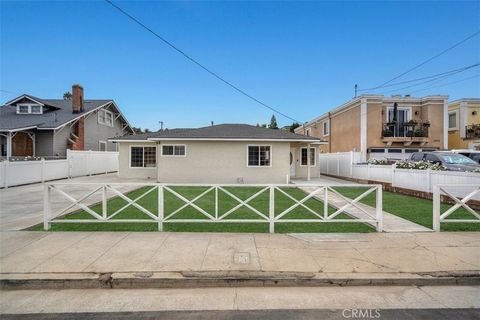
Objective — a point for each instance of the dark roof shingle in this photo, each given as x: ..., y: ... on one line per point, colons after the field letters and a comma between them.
x: 221, y: 131
x: 60, y: 114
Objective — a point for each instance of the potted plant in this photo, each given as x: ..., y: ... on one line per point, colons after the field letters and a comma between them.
x: 420, y: 133
x: 387, y: 133
x: 426, y: 124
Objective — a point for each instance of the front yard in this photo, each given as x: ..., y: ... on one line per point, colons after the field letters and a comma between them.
x: 414, y: 209
x: 207, y: 203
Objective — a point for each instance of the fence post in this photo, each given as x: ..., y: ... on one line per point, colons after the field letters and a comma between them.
x: 436, y: 208
x: 338, y: 164
x: 46, y: 207
x: 427, y: 182
x: 104, y: 202
x: 325, y: 203
x: 351, y: 164
x: 160, y: 207
x: 5, y: 171
x: 271, y: 211
x: 216, y: 203
x: 392, y: 181
x: 42, y: 162
x: 379, y: 209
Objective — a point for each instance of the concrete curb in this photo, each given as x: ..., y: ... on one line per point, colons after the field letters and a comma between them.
x: 200, y: 279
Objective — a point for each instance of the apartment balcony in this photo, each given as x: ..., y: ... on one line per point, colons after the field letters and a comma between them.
x: 472, y: 131
x: 407, y: 133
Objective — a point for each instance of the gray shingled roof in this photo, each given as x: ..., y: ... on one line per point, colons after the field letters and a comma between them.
x: 10, y: 120
x: 221, y: 131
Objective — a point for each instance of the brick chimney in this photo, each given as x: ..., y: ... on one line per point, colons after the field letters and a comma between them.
x: 77, y: 98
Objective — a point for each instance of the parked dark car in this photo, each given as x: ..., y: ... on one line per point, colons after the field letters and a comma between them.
x: 450, y: 160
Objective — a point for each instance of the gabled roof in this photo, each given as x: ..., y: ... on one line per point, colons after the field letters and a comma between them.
x: 58, y: 113
x: 232, y: 132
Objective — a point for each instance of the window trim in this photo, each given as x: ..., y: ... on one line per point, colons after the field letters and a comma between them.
x: 456, y: 120
x: 327, y: 122
x: 173, y: 155
x: 105, y: 143
x: 315, y: 157
x: 105, y: 123
x: 142, y: 146
x: 409, y: 113
x: 260, y: 145
x: 29, y: 106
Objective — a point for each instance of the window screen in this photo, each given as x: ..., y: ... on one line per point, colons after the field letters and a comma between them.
x: 304, y: 157
x: 259, y: 156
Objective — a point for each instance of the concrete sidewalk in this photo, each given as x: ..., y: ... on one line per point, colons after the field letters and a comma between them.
x: 21, y: 207
x: 310, y: 254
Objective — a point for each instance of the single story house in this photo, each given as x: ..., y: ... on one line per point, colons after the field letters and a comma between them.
x: 225, y: 153
x: 36, y: 127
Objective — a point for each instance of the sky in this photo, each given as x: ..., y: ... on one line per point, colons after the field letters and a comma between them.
x: 302, y: 58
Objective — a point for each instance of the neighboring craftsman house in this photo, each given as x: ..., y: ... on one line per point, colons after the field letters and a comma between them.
x: 35, y: 127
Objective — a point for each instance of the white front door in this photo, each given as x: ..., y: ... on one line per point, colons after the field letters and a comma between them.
x: 292, y: 162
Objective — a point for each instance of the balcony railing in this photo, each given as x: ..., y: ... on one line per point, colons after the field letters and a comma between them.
x: 405, y: 129
x: 472, y: 131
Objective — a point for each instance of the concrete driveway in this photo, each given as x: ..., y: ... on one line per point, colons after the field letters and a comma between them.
x: 22, y: 206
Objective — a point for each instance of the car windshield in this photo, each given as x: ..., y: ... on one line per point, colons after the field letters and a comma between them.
x: 456, y: 159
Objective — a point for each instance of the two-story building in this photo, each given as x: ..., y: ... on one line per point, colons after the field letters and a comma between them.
x: 383, y: 127
x: 464, y: 124
x: 36, y: 127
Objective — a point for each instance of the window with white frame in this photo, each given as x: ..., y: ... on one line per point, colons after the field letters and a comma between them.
x: 326, y: 128
x: 304, y: 157
x: 452, y: 120
x: 143, y: 157
x: 102, y: 146
x: 259, y: 156
x: 27, y: 108
x: 174, y: 150
x: 105, y: 117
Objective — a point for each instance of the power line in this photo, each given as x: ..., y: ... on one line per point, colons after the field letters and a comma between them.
x: 170, y: 44
x: 447, y: 84
x: 426, y: 61
x: 435, y: 79
x: 429, y: 77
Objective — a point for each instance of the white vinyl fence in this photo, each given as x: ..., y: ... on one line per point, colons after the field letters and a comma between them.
x: 439, y: 217
x: 156, y: 212
x: 77, y: 163
x: 344, y: 164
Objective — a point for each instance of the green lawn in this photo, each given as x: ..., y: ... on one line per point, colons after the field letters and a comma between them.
x: 414, y: 209
x: 207, y: 203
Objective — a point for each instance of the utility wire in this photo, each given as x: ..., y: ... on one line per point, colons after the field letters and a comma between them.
x: 447, y: 84
x: 170, y: 44
x: 429, y: 77
x: 426, y: 61
x: 434, y: 79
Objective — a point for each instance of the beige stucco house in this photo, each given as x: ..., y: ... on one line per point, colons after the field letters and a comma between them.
x: 225, y: 153
x: 368, y: 124
x: 464, y: 124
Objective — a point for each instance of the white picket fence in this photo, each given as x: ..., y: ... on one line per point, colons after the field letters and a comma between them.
x: 344, y: 164
x: 77, y: 163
